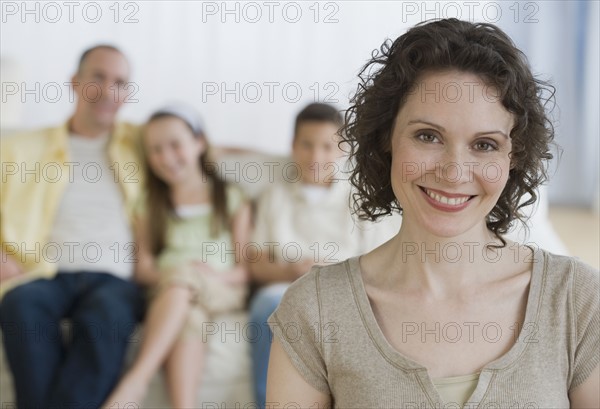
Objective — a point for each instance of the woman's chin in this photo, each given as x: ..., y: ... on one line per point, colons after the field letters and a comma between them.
x: 448, y: 229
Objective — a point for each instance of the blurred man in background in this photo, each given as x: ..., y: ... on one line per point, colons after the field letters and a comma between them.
x: 67, y: 247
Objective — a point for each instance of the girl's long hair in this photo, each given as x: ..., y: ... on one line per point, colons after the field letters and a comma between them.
x: 159, y: 203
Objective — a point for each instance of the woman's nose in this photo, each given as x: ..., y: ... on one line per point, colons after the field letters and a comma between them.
x: 455, y: 166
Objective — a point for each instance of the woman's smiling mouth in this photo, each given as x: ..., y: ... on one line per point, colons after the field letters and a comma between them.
x: 446, y: 201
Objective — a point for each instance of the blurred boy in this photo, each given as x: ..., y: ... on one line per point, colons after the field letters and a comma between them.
x: 303, y: 221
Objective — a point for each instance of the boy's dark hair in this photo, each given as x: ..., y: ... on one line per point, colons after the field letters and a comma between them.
x: 87, y: 52
x: 450, y: 44
x: 318, y: 112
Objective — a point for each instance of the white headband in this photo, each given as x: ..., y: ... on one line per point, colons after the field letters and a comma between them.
x: 187, y: 113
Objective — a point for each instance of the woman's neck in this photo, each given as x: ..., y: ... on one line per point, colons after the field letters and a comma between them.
x: 417, y: 259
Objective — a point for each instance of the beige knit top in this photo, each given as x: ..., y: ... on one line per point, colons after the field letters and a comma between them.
x: 327, y: 327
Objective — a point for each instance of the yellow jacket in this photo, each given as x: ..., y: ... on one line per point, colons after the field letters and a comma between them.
x: 35, y: 172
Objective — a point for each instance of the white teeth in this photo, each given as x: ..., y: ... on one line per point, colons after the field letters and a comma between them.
x: 452, y: 201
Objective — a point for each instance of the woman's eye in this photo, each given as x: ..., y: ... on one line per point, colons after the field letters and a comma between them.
x: 485, y: 146
x: 427, y: 137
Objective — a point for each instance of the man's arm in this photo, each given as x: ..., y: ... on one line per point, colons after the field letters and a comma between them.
x: 9, y: 267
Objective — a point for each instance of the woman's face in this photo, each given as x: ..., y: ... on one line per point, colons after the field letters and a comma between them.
x: 450, y: 153
x: 172, y: 149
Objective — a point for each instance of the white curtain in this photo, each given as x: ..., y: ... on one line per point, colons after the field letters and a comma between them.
x: 563, y: 45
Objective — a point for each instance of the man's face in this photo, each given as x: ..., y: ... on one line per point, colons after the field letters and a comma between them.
x: 101, y: 86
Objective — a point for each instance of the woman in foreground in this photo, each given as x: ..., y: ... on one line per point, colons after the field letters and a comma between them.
x: 449, y: 128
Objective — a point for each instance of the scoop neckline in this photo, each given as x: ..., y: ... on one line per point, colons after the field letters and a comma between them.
x: 488, y: 372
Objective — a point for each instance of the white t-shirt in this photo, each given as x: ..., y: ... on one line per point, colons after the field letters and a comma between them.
x: 91, y: 231
x: 299, y: 221
x: 314, y: 193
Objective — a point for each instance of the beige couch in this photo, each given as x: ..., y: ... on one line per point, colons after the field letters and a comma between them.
x: 227, y: 381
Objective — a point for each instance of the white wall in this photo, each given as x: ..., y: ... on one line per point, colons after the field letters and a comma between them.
x: 181, y: 50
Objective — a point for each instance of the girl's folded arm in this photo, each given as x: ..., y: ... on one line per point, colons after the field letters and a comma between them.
x: 240, y: 233
x: 145, y: 269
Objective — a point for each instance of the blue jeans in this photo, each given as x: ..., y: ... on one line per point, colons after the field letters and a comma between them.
x: 51, y: 373
x: 262, y: 306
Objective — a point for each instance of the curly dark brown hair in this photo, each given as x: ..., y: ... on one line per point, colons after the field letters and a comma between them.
x: 450, y: 44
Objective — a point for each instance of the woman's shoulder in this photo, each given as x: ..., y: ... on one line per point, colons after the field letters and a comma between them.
x: 581, y: 283
x: 322, y: 282
x: 566, y: 273
x: 557, y: 265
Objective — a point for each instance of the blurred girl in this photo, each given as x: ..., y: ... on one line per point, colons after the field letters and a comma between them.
x: 186, y: 222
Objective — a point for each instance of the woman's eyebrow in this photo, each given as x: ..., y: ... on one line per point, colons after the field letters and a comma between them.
x: 491, y: 132
x: 421, y: 121
x: 441, y: 128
